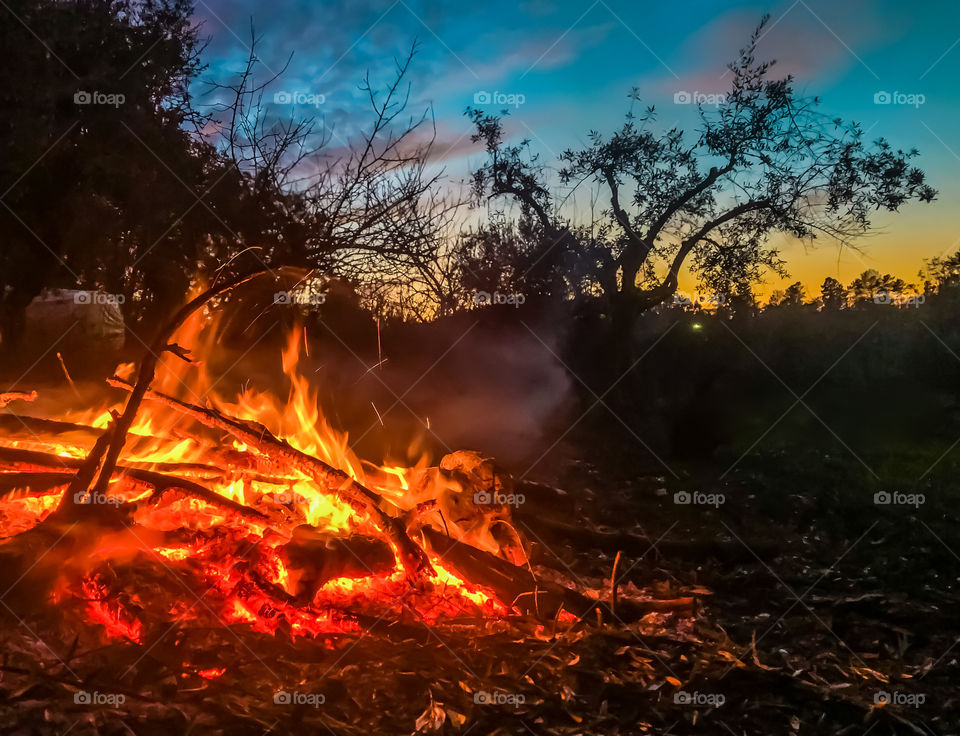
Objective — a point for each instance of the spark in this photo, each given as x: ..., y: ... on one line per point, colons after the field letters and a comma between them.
x: 379, y: 354
x: 372, y: 368
x: 67, y: 374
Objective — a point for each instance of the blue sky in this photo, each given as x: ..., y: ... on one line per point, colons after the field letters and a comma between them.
x: 573, y: 63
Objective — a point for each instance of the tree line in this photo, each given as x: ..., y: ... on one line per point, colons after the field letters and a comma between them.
x: 941, y: 278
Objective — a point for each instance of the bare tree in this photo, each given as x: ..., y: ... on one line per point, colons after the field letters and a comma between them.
x: 370, y: 210
x: 265, y: 148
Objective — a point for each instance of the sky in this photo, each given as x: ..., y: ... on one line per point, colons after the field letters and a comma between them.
x: 566, y: 67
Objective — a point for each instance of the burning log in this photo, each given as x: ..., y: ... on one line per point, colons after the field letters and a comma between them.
x: 103, y: 458
x: 316, y: 558
x: 357, y: 496
x: 513, y: 585
x: 473, y: 501
x: 35, y: 483
x: 11, y: 396
x: 161, y: 483
x: 14, y: 458
x: 13, y: 424
x: 38, y: 469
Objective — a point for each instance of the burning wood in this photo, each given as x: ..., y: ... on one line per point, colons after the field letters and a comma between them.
x: 255, y: 505
x: 257, y: 508
x: 348, y: 490
x: 11, y: 396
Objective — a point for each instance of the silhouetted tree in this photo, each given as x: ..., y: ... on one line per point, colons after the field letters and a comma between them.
x: 795, y: 295
x: 942, y: 271
x: 777, y: 297
x: 765, y: 161
x: 833, y: 295
x: 371, y: 211
x: 872, y: 288
x: 100, y: 172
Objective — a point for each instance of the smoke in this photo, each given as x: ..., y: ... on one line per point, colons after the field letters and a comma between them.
x: 488, y: 380
x: 499, y: 390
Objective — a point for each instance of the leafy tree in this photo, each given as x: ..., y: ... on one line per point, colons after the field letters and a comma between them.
x: 795, y: 295
x: 833, y: 295
x: 942, y: 271
x: 765, y: 161
x: 872, y: 288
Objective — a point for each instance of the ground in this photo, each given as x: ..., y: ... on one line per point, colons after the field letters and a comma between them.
x: 815, y: 605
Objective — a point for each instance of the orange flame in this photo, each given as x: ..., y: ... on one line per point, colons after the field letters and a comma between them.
x: 236, y: 557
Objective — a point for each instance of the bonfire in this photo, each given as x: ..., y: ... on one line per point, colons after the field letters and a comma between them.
x: 258, y: 507
x: 173, y: 512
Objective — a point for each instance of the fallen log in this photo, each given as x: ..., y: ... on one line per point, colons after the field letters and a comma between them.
x: 357, y: 496
x: 537, y: 524
x: 518, y: 587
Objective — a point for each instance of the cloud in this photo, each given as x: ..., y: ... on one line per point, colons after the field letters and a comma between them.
x: 460, y: 52
x: 797, y: 40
